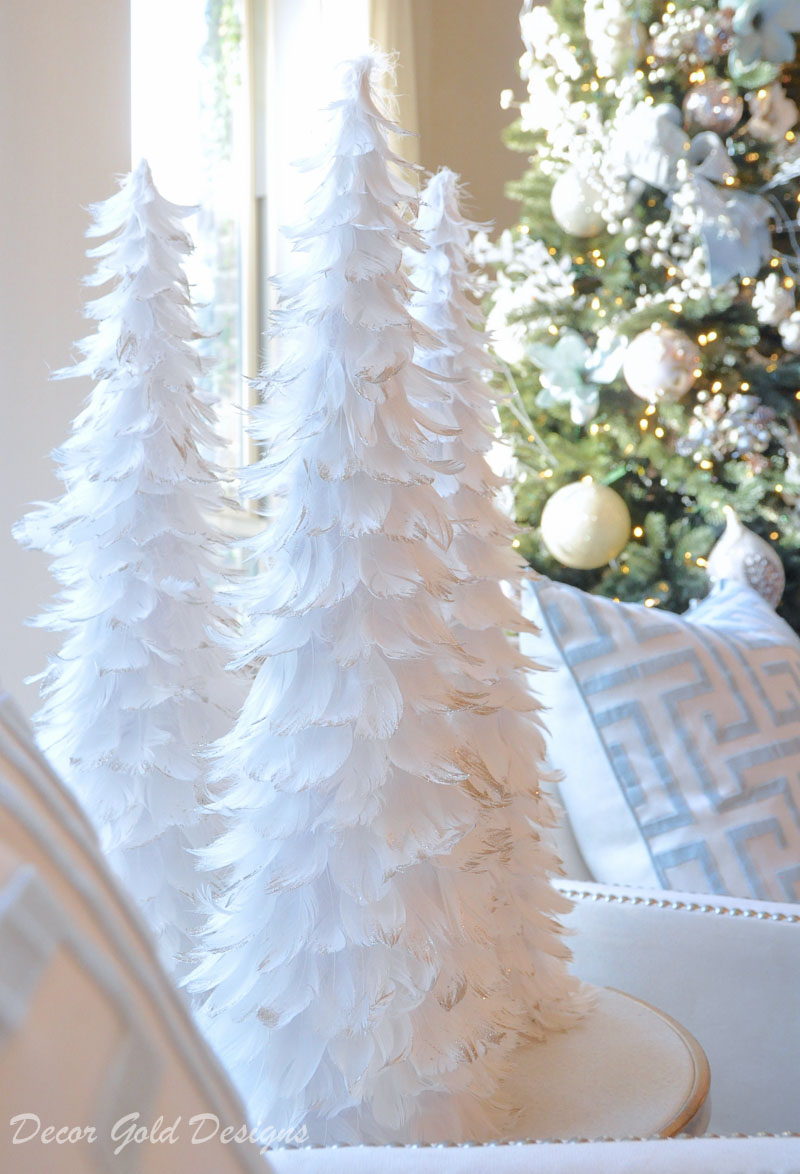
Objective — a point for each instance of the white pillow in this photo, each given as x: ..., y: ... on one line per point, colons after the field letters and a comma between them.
x: 679, y: 737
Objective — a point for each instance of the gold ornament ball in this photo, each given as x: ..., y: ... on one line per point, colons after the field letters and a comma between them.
x: 661, y: 364
x: 574, y: 204
x: 584, y: 525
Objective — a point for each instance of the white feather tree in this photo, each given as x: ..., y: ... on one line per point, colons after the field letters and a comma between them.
x: 350, y: 976
x: 503, y: 742
x: 138, y: 687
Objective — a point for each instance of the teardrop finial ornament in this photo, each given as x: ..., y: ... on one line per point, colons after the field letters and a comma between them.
x: 740, y: 554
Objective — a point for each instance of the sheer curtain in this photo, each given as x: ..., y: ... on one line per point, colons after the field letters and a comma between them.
x: 391, y: 26
x: 304, y: 40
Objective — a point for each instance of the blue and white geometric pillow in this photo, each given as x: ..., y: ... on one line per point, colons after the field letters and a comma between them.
x: 679, y: 738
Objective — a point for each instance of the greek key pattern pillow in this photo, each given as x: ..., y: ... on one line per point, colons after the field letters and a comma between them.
x: 679, y: 737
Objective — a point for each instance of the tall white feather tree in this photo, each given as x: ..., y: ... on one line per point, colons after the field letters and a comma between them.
x: 139, y: 686
x: 503, y: 742
x: 350, y: 973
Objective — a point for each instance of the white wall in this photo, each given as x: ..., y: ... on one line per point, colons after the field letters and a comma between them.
x: 467, y: 52
x: 64, y: 136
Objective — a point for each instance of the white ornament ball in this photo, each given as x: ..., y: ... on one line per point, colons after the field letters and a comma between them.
x: 584, y: 525
x: 661, y: 364
x: 741, y: 555
x: 574, y: 202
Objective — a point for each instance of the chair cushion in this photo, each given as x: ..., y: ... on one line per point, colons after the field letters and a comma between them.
x: 725, y: 968
x: 679, y: 738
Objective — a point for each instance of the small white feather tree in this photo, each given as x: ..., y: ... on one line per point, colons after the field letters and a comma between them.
x: 351, y: 977
x: 503, y: 742
x: 139, y: 684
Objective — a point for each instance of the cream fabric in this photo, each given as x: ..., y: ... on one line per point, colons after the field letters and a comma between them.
x: 391, y: 25
x: 726, y: 969
x: 91, y: 1029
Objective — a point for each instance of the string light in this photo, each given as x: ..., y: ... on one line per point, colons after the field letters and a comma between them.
x: 712, y: 335
x: 702, y: 339
x: 747, y: 281
x: 744, y: 386
x: 626, y: 570
x: 774, y: 262
x: 515, y: 543
x: 650, y: 410
x: 643, y: 424
x: 706, y: 464
x: 587, y: 480
x: 779, y: 489
x: 552, y: 329
x: 697, y: 372
x: 545, y: 473
x: 788, y: 283
x: 651, y: 602
x: 717, y: 386
x: 774, y: 534
x: 675, y: 307
x: 638, y: 532
x: 701, y: 562
x: 659, y: 433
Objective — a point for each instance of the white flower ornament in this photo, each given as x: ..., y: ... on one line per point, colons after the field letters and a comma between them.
x: 570, y: 372
x: 763, y: 29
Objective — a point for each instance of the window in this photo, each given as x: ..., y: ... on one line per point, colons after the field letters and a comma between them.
x: 225, y: 98
x: 189, y: 119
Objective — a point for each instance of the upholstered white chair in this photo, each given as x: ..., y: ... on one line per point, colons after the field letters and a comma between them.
x: 757, y: 1155
x: 726, y: 968
x: 91, y: 1029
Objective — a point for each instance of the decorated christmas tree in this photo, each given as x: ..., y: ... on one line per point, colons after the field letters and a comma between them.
x: 500, y: 738
x: 645, y: 304
x: 355, y: 973
x: 139, y: 685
